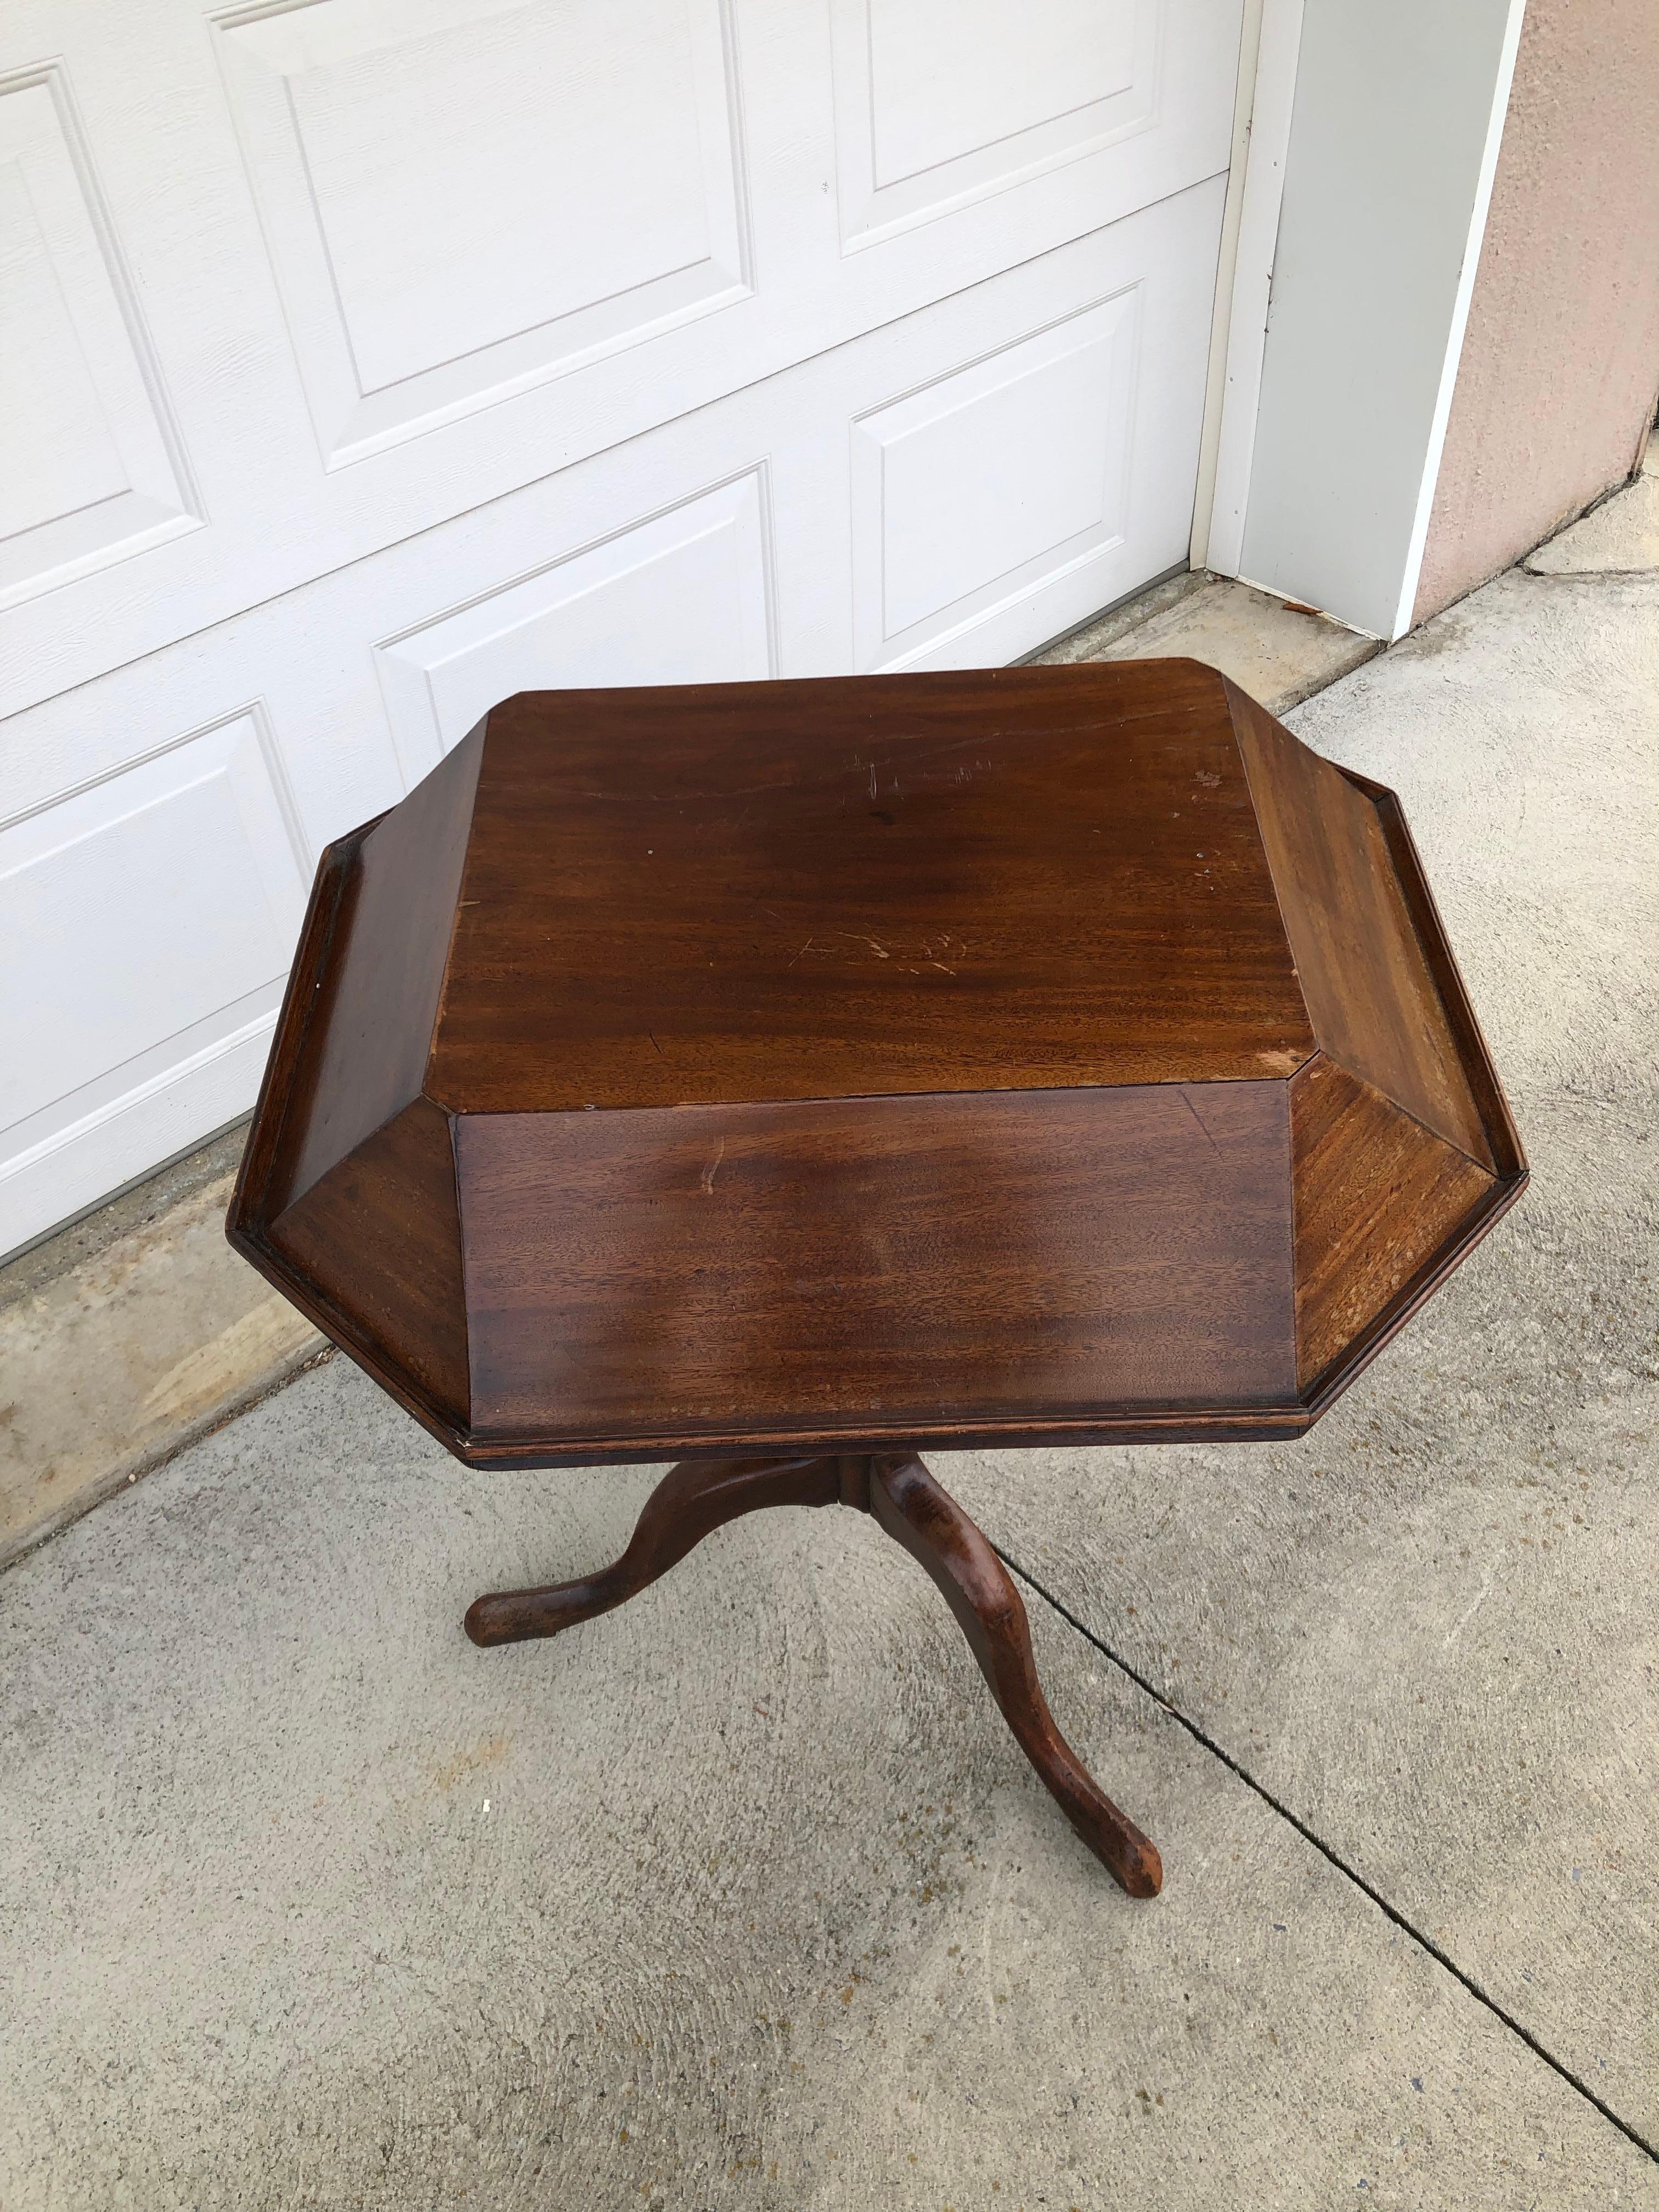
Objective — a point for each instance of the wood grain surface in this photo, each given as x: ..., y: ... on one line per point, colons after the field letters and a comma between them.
x: 1000, y: 879
x: 699, y: 1496
x: 1365, y: 974
x: 391, y: 1204
x: 881, y: 1266
x: 1377, y: 1195
x: 367, y: 1029
x: 998, y: 1057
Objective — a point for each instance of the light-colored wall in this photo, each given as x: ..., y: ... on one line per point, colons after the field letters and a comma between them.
x: 1394, y: 132
x: 1560, y: 362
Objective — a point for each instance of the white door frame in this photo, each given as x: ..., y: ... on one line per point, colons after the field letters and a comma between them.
x: 1364, y: 166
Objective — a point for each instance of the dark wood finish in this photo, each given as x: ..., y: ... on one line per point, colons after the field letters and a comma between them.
x: 1376, y: 1196
x: 777, y: 1077
x: 690, y: 1502
x: 283, y: 1101
x: 742, y: 1433
x: 899, y: 1264
x: 844, y: 1185
x: 1365, y: 972
x: 392, y: 1203
x: 1008, y: 879
x: 696, y: 1499
x: 912, y: 1507
x: 366, y: 1033
x: 1327, y: 1386
x: 1503, y: 1140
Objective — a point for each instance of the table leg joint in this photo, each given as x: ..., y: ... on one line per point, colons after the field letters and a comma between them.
x: 697, y: 1497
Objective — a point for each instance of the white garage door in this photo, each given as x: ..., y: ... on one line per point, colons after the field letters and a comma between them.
x: 369, y: 360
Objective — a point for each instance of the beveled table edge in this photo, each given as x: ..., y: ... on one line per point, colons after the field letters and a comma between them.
x: 1472, y: 1053
x: 1102, y: 1426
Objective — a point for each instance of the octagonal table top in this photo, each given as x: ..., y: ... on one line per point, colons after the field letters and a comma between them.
x: 1003, y: 1055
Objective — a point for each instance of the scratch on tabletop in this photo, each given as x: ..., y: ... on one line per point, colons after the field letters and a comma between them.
x: 1186, y: 1101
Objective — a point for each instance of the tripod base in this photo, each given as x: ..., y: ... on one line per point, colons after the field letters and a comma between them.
x: 699, y: 1496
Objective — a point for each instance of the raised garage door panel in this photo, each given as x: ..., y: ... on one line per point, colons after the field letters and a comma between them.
x: 676, y: 598
x: 149, y: 922
x: 940, y: 102
x: 455, y: 247
x: 379, y: 361
x: 91, y: 470
x: 461, y: 201
x: 733, y: 543
x: 995, y: 475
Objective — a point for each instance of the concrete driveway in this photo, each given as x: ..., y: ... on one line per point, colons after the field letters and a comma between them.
x: 743, y: 1897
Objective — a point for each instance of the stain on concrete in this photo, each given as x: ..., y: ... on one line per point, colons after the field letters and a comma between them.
x: 113, y: 1355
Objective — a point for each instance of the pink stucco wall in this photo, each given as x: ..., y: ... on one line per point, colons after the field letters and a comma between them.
x: 1560, y: 364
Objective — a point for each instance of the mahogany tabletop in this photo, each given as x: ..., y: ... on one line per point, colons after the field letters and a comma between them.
x: 1003, y: 1056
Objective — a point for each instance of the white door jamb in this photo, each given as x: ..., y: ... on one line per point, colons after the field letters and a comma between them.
x: 1373, y: 145
x: 1250, y: 231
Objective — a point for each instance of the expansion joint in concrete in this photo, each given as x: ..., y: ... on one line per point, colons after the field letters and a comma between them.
x: 1335, y: 1858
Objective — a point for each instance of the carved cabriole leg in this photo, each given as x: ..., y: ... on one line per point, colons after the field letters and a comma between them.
x: 697, y: 1497
x: 916, y: 1512
x: 691, y: 1501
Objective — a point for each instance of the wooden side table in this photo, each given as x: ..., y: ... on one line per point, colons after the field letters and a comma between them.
x: 782, y: 1078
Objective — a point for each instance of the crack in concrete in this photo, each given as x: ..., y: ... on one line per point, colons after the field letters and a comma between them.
x: 1335, y: 1858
